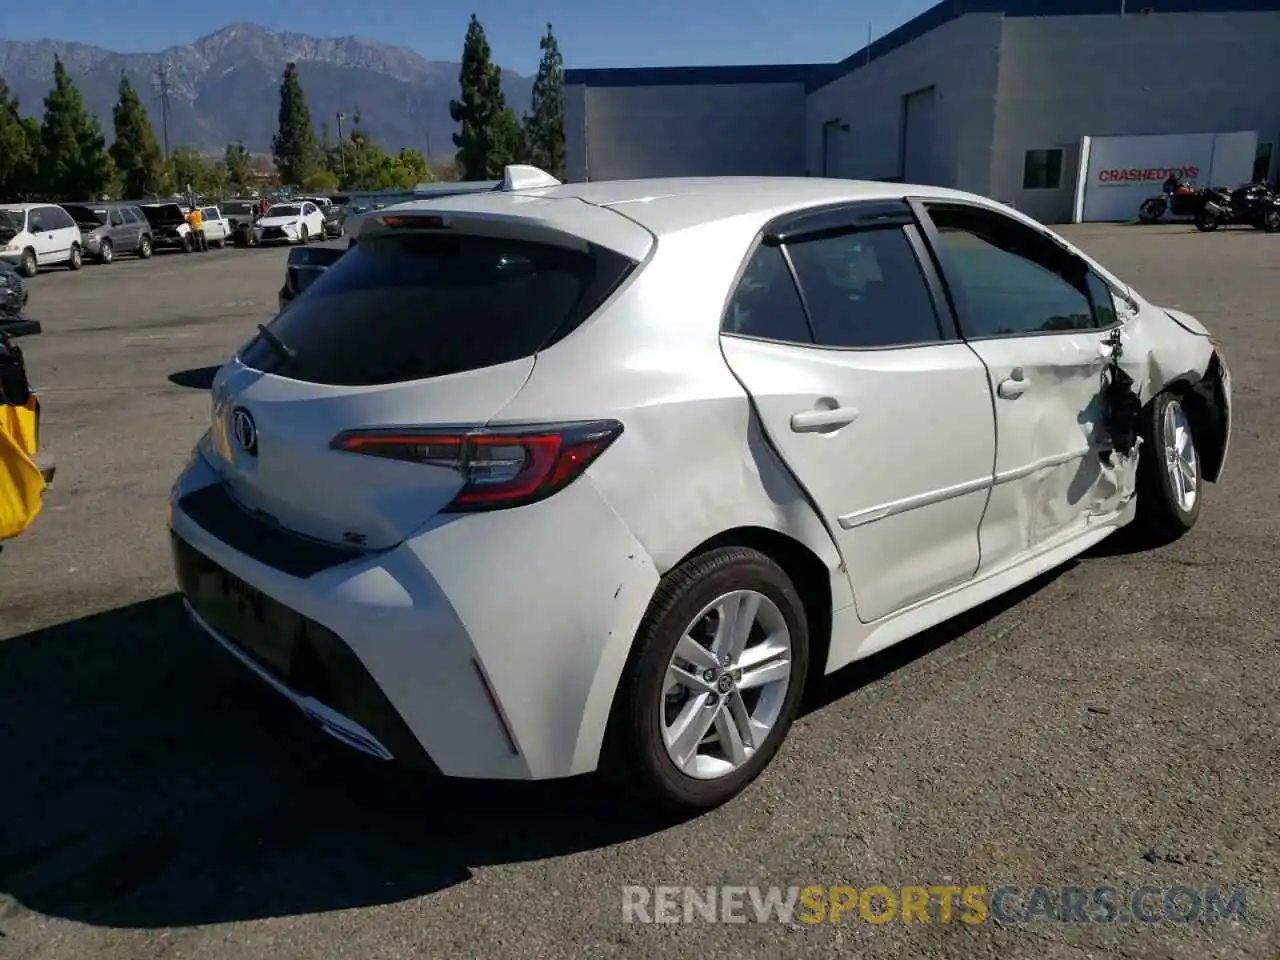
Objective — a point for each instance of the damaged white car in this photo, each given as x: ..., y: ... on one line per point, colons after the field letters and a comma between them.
x: 562, y: 478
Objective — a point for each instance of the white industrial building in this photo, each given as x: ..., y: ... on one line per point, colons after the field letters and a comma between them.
x: 1045, y: 104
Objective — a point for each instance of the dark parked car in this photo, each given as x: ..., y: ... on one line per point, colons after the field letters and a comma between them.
x: 110, y: 229
x: 169, y: 227
x: 13, y: 303
x: 333, y: 217
x: 303, y: 268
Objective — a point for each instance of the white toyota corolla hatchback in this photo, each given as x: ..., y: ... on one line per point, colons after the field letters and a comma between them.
x: 562, y: 478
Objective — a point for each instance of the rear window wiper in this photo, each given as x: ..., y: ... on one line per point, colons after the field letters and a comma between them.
x: 284, y: 353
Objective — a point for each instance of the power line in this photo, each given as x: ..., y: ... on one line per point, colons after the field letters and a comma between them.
x: 161, y: 83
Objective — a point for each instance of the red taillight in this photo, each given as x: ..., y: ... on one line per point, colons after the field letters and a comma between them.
x: 504, y: 467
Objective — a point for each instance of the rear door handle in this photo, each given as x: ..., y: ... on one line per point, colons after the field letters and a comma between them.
x: 813, y: 421
x: 1015, y: 386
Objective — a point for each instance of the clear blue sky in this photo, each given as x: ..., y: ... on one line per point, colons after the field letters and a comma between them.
x: 591, y: 34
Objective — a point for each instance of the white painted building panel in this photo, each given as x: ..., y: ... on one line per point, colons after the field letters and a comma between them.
x: 745, y: 129
x: 959, y: 60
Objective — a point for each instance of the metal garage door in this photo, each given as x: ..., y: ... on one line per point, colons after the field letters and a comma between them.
x: 919, y: 138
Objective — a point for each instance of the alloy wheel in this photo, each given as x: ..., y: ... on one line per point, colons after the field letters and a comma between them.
x: 726, y: 684
x: 1180, y: 457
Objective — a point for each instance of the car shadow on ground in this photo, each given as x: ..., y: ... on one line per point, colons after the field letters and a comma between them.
x: 199, y: 378
x: 152, y: 782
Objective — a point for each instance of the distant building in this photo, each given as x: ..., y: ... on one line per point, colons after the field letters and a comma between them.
x: 991, y: 96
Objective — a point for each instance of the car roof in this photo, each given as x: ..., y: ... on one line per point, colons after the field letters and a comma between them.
x: 668, y: 205
x: 26, y: 206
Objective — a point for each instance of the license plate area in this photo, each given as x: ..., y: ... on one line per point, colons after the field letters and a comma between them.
x: 264, y: 628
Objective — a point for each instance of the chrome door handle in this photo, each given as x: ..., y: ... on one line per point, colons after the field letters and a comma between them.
x: 813, y: 421
x: 1015, y: 386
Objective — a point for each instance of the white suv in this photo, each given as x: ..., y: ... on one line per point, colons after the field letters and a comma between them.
x: 540, y: 481
x: 35, y: 235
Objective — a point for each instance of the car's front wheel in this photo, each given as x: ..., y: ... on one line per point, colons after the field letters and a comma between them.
x: 77, y: 257
x: 105, y: 252
x: 1170, y: 488
x: 713, y: 683
x: 28, y: 266
x: 144, y: 247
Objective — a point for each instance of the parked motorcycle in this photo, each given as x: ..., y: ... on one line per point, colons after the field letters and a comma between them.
x: 1179, y: 197
x: 1254, y: 204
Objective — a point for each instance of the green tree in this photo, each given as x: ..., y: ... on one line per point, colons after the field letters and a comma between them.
x: 74, y: 162
x: 19, y: 148
x: 190, y: 169
x: 321, y: 182
x: 544, y: 127
x: 509, y: 143
x: 135, y: 151
x: 415, y: 165
x: 294, y: 146
x: 239, y: 166
x: 479, y: 111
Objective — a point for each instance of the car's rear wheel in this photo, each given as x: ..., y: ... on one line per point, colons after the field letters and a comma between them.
x: 105, y: 253
x: 28, y: 266
x: 1170, y: 488
x: 77, y: 257
x: 713, y: 683
x: 1271, y: 220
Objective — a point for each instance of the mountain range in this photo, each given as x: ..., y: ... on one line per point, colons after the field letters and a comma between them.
x: 225, y: 87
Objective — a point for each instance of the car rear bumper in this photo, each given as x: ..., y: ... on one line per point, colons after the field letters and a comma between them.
x: 451, y: 651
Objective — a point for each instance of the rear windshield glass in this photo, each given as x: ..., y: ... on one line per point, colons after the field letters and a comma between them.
x: 413, y: 305
x: 237, y: 207
x: 84, y: 215
x: 169, y: 213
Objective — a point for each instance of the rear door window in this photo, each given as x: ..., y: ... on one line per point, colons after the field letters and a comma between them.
x: 413, y: 305
x: 865, y: 289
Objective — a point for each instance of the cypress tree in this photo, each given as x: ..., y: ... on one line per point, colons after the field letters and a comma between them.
x: 479, y: 112
x: 74, y: 162
x: 294, y: 146
x: 544, y: 127
x: 136, y: 152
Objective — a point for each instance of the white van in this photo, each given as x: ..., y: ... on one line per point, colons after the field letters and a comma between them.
x: 35, y: 235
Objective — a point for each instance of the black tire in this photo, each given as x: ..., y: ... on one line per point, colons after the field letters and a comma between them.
x: 77, y: 258
x: 144, y: 248
x: 1152, y: 209
x: 1207, y: 221
x: 1271, y: 220
x: 186, y: 244
x: 28, y: 266
x: 635, y: 758
x: 1160, y: 515
x: 105, y: 253
x: 303, y: 236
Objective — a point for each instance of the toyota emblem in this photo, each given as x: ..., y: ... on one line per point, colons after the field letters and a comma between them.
x: 244, y: 430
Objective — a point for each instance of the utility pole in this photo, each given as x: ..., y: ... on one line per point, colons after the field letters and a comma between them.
x: 342, y: 149
x: 161, y: 83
